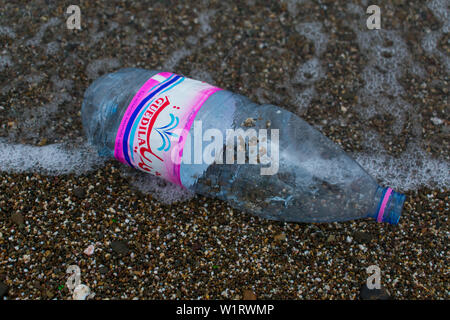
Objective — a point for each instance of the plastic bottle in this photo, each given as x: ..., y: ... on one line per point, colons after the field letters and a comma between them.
x: 150, y: 120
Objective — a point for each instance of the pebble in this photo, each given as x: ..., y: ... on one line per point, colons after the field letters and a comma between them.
x: 50, y: 294
x: 81, y: 292
x: 249, y: 122
x: 120, y: 247
x: 280, y: 237
x: 3, y: 290
x: 43, y: 142
x: 437, y: 121
x: 362, y: 236
x: 373, y: 294
x: 17, y: 218
x: 26, y: 258
x: 248, y: 295
x: 79, y: 192
x: 103, y: 269
x: 89, y: 250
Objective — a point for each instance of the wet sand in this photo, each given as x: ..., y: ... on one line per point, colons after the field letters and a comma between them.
x: 380, y: 94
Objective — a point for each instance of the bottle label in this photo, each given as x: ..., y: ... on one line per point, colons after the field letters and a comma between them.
x: 154, y: 127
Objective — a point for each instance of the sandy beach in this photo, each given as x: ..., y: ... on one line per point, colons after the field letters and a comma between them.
x: 382, y: 95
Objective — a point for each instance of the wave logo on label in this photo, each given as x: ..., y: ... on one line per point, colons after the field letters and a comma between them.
x: 143, y: 148
x: 165, y: 132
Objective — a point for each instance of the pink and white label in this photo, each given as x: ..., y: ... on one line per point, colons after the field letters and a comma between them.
x: 153, y: 130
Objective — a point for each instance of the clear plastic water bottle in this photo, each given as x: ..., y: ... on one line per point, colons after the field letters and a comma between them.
x: 158, y: 122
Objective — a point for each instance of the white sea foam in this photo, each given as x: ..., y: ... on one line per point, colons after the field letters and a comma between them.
x: 314, y: 32
x: 100, y: 66
x: 303, y: 99
x: 388, y: 59
x: 7, y: 31
x: 411, y: 170
x: 52, y: 159
x: 176, y: 56
x: 38, y: 117
x: 202, y: 75
x: 293, y: 6
x: 34, y: 78
x: 5, y: 61
x: 203, y: 18
x: 441, y: 11
x: 311, y: 71
x: 429, y: 43
x: 52, y: 48
x: 160, y: 189
x: 36, y: 40
x: 58, y: 159
x: 59, y: 83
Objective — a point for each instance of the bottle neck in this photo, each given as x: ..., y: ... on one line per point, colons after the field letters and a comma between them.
x: 387, y: 205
